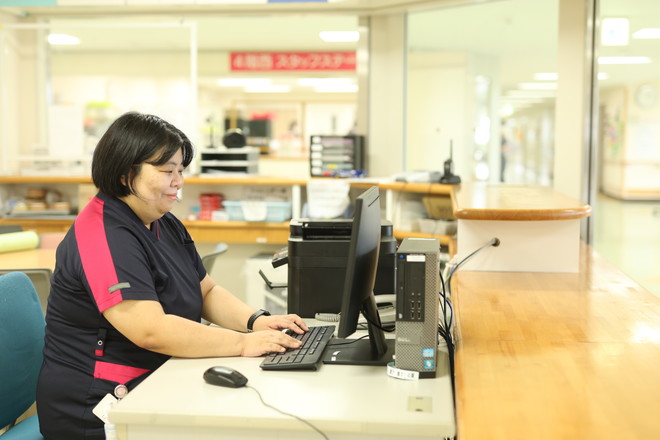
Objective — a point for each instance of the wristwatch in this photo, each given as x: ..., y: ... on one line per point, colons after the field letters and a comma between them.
x: 254, y: 317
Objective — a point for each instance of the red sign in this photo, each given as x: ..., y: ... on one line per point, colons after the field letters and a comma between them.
x: 291, y: 61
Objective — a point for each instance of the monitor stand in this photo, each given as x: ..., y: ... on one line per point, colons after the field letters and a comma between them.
x: 357, y: 352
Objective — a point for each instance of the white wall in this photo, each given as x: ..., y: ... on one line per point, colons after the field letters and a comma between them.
x: 437, y: 111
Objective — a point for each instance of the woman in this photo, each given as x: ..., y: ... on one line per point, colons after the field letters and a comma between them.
x: 129, y: 289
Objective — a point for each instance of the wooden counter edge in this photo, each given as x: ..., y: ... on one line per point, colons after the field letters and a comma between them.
x: 522, y: 214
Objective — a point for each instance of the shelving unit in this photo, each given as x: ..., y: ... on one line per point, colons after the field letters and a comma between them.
x: 235, y: 231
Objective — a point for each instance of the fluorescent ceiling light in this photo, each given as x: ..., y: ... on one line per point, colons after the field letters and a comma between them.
x: 553, y: 76
x: 244, y: 82
x: 647, y: 33
x: 214, y: 2
x: 339, y: 36
x: 346, y: 88
x: 615, y: 32
x: 624, y: 60
x: 63, y: 40
x: 521, y: 100
x: 531, y: 93
x: 538, y: 86
x: 273, y: 88
x: 321, y: 82
x: 546, y: 76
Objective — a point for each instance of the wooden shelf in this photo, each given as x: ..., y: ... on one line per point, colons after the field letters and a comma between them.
x: 188, y: 180
x: 45, y: 180
x: 238, y: 232
x: 232, y: 231
x: 247, y: 180
x: 40, y: 225
x: 420, y: 188
x: 445, y: 240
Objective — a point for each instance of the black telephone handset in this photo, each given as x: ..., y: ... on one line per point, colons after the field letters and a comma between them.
x: 449, y: 177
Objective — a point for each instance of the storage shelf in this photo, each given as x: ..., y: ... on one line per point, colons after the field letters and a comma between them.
x: 235, y: 231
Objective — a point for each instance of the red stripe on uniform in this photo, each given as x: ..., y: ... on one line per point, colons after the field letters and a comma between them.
x: 95, y: 255
x: 116, y: 372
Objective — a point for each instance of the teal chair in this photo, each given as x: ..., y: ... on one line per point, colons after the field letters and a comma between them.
x: 21, y: 344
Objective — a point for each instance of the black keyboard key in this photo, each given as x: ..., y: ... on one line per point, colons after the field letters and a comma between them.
x: 306, y: 356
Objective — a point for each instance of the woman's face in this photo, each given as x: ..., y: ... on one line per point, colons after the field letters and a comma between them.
x: 156, y: 189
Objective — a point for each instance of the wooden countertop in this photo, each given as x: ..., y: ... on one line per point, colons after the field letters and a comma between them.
x: 28, y: 259
x: 515, y: 202
x: 557, y: 355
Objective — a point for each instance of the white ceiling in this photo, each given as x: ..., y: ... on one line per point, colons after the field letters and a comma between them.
x: 521, y: 34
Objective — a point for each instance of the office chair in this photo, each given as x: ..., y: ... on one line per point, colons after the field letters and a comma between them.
x: 40, y: 280
x: 209, y: 260
x: 22, y: 327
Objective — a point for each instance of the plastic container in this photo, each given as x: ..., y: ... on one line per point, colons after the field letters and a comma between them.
x: 257, y: 211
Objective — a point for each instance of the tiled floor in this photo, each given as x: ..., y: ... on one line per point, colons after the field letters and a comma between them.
x: 627, y: 233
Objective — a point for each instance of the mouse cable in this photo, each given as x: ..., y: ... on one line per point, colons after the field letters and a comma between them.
x: 306, y: 422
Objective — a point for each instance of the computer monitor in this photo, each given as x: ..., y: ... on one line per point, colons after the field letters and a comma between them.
x: 358, y: 295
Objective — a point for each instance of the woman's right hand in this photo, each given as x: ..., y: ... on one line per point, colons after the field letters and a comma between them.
x: 267, y: 341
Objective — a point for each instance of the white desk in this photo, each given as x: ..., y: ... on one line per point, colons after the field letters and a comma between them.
x: 345, y: 402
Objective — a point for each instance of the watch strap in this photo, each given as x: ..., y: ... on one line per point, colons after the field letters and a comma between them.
x: 254, y: 317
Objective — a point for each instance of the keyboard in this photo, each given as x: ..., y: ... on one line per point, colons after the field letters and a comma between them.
x: 307, y: 356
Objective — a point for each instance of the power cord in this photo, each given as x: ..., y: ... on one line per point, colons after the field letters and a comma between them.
x: 306, y: 422
x: 349, y: 341
x: 494, y: 242
x: 444, y: 330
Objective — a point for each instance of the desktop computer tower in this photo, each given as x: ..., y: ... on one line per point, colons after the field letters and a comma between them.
x: 417, y: 265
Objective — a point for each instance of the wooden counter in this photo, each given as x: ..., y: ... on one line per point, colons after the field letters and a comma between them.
x: 28, y: 259
x: 538, y: 227
x: 557, y: 355
x: 516, y: 202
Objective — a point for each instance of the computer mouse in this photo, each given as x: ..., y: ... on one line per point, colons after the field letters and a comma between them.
x: 224, y: 377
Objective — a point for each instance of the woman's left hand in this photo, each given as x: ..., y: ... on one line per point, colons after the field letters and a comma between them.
x: 280, y: 322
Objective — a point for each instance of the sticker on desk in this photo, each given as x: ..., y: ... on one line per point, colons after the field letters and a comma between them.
x: 398, y: 373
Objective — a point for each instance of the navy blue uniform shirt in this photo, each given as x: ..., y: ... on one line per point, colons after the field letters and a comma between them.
x: 108, y: 256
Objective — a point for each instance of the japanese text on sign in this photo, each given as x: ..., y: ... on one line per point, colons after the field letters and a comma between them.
x: 289, y: 61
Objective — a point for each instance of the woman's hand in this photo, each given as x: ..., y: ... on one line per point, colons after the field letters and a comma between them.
x: 279, y: 322
x: 267, y: 341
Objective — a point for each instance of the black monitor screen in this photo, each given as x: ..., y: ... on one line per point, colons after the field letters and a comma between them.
x: 358, y: 296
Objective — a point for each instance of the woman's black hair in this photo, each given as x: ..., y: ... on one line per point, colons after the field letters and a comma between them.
x: 131, y: 140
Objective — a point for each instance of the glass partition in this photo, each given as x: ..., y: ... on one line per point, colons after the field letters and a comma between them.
x: 74, y: 77
x: 481, y: 78
x: 627, y: 207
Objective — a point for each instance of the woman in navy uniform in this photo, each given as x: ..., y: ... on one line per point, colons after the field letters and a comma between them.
x: 129, y: 289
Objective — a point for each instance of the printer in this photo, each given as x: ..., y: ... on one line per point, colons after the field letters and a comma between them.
x: 317, y: 254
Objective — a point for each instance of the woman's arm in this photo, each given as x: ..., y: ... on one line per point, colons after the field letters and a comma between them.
x: 146, y: 324
x: 223, y: 308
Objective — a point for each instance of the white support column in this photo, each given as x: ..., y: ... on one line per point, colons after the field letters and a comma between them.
x: 573, y: 109
x: 386, y: 94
